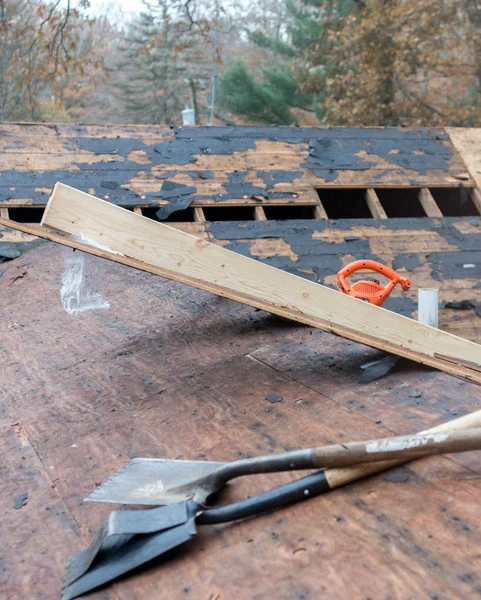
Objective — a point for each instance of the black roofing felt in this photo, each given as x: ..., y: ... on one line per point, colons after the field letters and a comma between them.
x: 328, y: 152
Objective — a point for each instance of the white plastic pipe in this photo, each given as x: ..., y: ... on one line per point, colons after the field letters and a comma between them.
x: 188, y: 116
x: 428, y: 303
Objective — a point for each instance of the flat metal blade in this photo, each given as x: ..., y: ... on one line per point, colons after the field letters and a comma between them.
x: 118, y: 528
x: 130, y: 555
x: 155, y: 481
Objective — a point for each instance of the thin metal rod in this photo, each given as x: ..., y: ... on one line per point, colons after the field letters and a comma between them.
x: 214, y: 73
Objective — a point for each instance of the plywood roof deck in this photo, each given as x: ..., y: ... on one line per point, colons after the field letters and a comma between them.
x: 242, y: 175
x: 220, y: 165
x: 170, y: 371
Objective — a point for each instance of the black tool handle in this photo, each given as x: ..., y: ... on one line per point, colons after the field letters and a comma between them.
x: 296, y: 491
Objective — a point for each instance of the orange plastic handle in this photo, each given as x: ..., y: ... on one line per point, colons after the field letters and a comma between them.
x: 377, y: 294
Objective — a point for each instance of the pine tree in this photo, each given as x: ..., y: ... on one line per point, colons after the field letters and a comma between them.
x: 264, y: 86
x: 161, y: 66
x: 268, y: 101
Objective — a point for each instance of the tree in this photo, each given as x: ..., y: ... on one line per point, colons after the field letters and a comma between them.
x: 368, y: 62
x: 262, y: 87
x: 86, y: 95
x: 389, y: 62
x: 472, y: 99
x: 37, y: 48
x: 335, y: 62
x: 163, y: 65
x: 268, y: 101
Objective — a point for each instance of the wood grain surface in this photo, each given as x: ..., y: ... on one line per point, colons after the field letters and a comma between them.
x: 139, y: 160
x: 169, y: 371
x: 122, y: 163
x: 208, y: 267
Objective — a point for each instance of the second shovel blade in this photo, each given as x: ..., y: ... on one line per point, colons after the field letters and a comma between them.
x: 155, y: 481
x: 136, y: 552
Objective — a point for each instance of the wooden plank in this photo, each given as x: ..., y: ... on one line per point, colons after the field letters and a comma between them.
x: 429, y: 203
x: 4, y: 213
x: 375, y: 205
x: 136, y: 201
x: 311, y: 194
x: 320, y: 211
x: 136, y: 167
x: 301, y: 251
x: 199, y: 216
x: 160, y: 249
x: 259, y: 214
x: 467, y: 141
x: 73, y: 130
x: 476, y: 198
x: 184, y: 258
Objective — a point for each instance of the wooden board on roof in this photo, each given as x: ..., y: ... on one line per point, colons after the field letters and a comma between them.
x: 467, y: 142
x: 134, y: 240
x: 273, y: 171
x: 431, y: 253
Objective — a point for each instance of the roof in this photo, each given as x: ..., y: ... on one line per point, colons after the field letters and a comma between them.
x: 169, y: 371
x: 292, y: 197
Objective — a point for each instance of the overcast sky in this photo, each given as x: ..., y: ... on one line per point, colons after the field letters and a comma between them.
x: 123, y: 9
x: 114, y: 8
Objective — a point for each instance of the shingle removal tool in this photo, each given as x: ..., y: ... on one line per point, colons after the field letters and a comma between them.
x: 151, y: 481
x: 131, y: 538
x: 116, y: 550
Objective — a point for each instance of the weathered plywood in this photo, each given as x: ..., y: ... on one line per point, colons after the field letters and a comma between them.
x: 467, y: 142
x: 185, y: 258
x: 224, y: 165
x: 261, y: 167
x: 169, y: 371
x: 34, y: 536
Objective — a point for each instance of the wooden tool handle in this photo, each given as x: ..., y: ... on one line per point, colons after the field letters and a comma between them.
x: 404, y: 447
x: 338, y: 477
x: 370, y: 455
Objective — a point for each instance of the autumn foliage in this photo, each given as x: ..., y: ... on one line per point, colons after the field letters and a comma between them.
x: 340, y: 62
x: 42, y: 51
